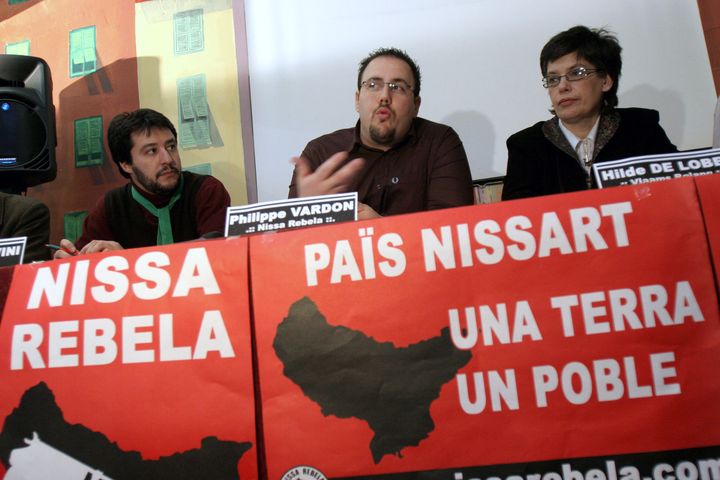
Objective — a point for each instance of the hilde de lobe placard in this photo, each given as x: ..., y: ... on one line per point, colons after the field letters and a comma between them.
x: 131, y: 364
x: 655, y: 168
x: 577, y: 330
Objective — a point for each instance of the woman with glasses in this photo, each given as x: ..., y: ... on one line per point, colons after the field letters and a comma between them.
x: 580, y: 68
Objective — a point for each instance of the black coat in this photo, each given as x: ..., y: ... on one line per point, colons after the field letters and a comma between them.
x: 542, y: 162
x: 26, y: 217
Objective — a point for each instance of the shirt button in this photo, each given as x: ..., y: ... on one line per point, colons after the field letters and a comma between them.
x: 395, y: 180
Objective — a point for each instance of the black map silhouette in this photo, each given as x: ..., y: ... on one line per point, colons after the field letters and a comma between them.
x: 350, y: 374
x: 38, y: 412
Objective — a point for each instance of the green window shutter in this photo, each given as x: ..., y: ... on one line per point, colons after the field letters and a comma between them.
x: 83, y: 59
x: 72, y: 224
x: 194, y: 125
x: 89, y: 142
x: 13, y: 2
x: 200, y: 169
x: 188, y: 34
x: 18, y: 48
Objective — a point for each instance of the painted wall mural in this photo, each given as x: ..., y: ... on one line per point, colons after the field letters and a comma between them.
x: 174, y: 56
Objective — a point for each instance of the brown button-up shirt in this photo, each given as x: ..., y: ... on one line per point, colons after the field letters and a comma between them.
x: 427, y: 170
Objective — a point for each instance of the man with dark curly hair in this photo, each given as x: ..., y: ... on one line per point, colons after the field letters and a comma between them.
x: 161, y: 204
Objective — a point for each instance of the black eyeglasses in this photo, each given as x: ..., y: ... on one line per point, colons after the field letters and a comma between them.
x: 375, y: 85
x: 577, y: 73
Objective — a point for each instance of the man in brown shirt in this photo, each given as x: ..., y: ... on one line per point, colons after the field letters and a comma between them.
x: 396, y: 161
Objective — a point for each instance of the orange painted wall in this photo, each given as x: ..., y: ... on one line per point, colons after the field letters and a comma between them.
x: 111, y: 89
x: 710, y: 15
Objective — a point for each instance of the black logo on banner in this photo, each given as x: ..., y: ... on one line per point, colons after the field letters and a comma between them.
x: 36, y: 439
x: 303, y: 472
x: 342, y: 370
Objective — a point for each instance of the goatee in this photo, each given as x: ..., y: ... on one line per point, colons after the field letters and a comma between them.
x: 386, y: 138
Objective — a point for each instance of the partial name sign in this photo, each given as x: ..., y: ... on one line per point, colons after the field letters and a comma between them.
x: 654, y: 168
x: 12, y: 251
x: 291, y: 213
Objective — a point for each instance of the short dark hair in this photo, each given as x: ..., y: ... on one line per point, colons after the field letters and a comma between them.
x: 391, y: 52
x: 121, y: 128
x: 598, y: 46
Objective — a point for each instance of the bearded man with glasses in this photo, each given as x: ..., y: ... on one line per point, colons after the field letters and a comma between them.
x: 581, y: 69
x: 396, y: 161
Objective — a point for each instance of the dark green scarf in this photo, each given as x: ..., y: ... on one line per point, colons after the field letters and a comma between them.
x: 164, y: 233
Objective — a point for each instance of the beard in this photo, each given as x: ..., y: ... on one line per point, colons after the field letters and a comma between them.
x: 382, y: 136
x: 152, y: 185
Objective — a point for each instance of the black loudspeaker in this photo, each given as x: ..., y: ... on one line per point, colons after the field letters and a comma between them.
x: 27, y: 123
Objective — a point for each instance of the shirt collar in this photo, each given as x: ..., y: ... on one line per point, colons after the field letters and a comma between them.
x: 410, y: 137
x: 573, y: 139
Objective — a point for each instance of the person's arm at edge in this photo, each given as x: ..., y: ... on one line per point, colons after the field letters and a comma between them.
x: 35, y: 225
x: 211, y: 203
x: 96, y: 235
x: 450, y: 179
x: 658, y: 137
x: 517, y: 182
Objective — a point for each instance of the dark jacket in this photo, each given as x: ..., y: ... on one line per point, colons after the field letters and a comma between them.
x: 542, y: 162
x: 26, y: 217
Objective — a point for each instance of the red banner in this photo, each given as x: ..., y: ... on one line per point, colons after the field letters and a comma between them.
x: 709, y: 190
x: 132, y: 364
x: 577, y: 330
